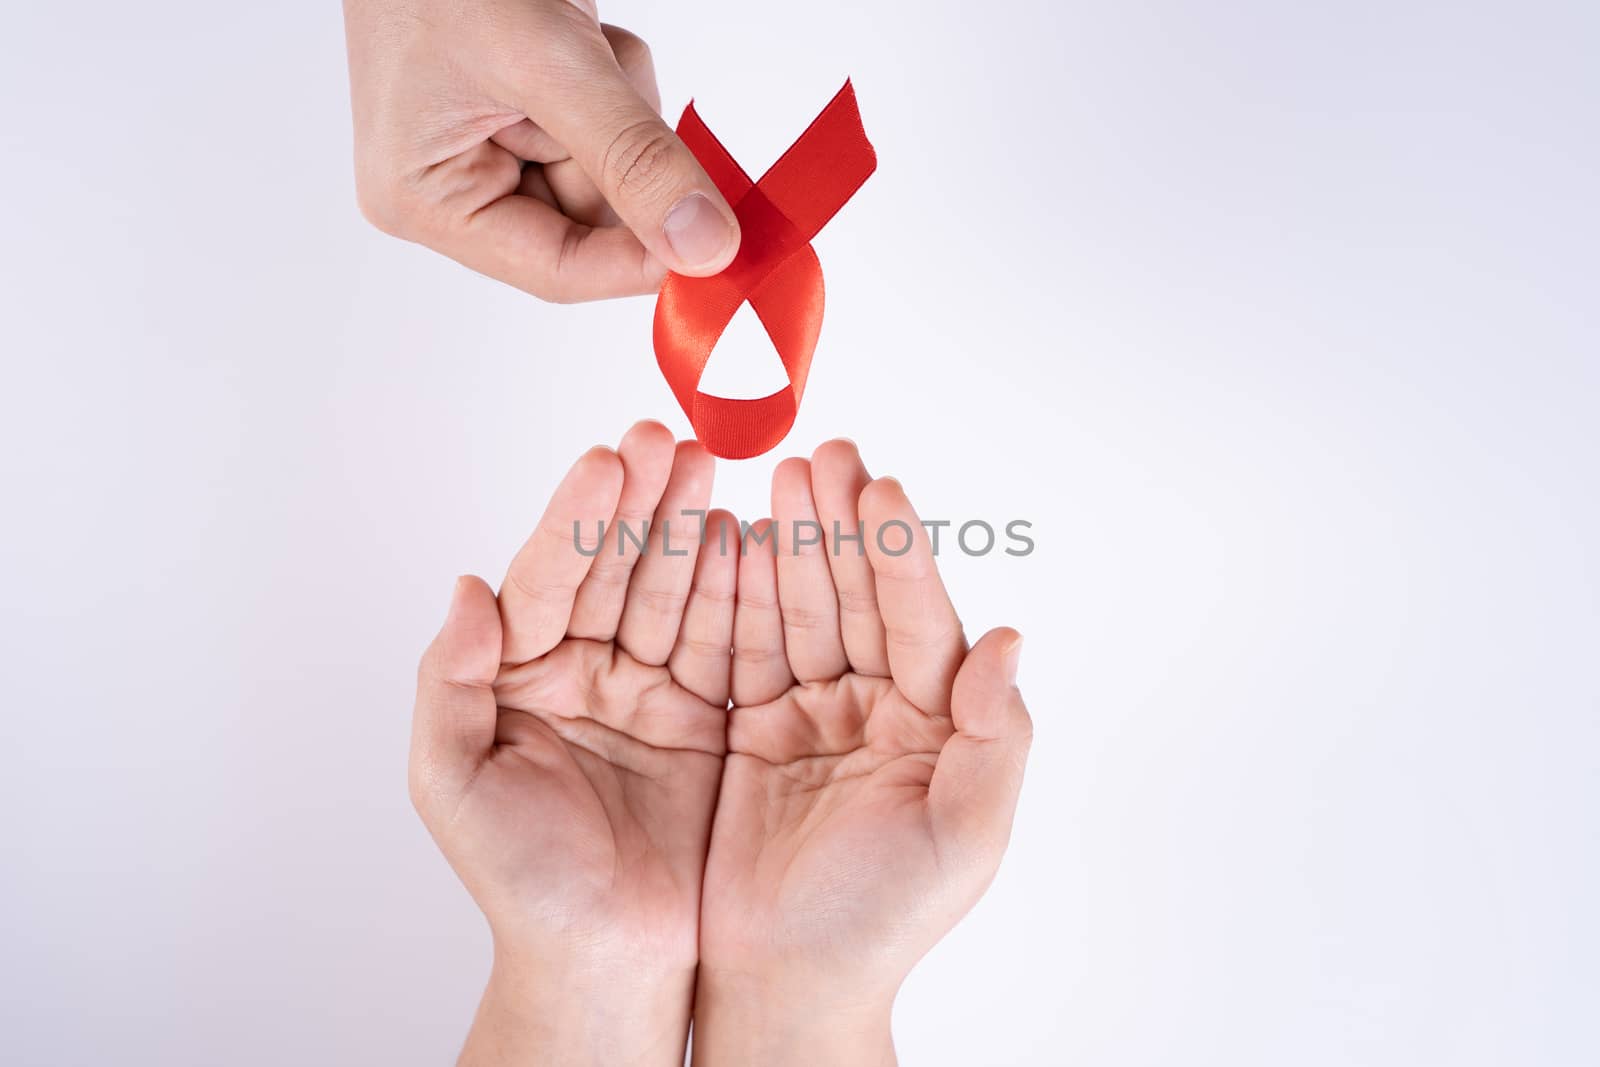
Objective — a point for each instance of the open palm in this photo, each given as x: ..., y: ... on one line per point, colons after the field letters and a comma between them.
x: 873, y: 759
x: 569, y: 734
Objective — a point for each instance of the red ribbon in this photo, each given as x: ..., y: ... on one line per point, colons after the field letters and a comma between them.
x: 775, y: 270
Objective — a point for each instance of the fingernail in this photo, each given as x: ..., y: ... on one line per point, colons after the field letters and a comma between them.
x: 697, y: 231
x: 455, y: 599
x: 1013, y: 657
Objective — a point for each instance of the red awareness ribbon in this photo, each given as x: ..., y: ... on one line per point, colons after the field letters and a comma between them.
x: 776, y: 270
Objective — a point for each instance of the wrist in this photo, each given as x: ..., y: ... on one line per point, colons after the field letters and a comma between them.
x: 563, y: 1012
x: 790, y: 1019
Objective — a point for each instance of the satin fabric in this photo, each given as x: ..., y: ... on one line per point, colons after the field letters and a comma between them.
x: 776, y: 270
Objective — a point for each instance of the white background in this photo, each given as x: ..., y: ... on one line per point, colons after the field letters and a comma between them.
x: 1278, y: 321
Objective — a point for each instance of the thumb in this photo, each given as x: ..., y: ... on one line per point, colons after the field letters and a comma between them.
x: 973, y: 794
x: 454, y: 724
x: 648, y: 176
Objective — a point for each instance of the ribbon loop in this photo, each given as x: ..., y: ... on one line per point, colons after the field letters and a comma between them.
x: 776, y: 271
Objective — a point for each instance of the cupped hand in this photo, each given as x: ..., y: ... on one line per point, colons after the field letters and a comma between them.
x: 523, y: 139
x: 872, y: 773
x: 567, y: 747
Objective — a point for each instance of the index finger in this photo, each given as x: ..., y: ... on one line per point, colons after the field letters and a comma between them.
x: 527, y: 243
x: 542, y: 583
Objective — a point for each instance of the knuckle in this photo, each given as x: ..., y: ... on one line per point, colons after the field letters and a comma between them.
x: 700, y: 646
x: 661, y: 601
x: 717, y: 598
x: 922, y: 637
x: 632, y: 53
x: 382, y: 205
x: 535, y: 591
x: 612, y: 575
x: 556, y: 285
x: 638, y: 162
x: 416, y: 790
x: 858, y: 602
x: 419, y: 786
x: 808, y: 619
x: 427, y: 666
x: 1024, y: 728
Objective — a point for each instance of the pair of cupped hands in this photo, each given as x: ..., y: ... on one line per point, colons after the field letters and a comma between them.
x: 748, y: 778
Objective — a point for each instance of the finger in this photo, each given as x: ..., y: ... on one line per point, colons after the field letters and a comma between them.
x: 659, y: 588
x: 573, y: 191
x: 541, y: 585
x: 837, y: 479
x: 533, y: 184
x: 922, y: 632
x: 760, y: 668
x: 646, y: 453
x: 973, y: 795
x: 806, y: 600
x: 577, y: 196
x: 527, y: 140
x: 702, y: 659
x: 638, y: 65
x: 485, y: 210
x: 526, y: 242
x: 647, y: 175
x: 453, y: 727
